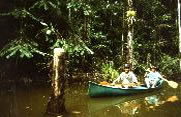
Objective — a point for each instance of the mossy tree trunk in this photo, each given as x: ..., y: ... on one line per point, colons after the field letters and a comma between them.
x: 56, y: 103
x: 130, y: 21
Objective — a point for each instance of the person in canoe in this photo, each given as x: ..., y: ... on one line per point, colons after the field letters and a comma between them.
x: 152, y: 77
x: 126, y: 77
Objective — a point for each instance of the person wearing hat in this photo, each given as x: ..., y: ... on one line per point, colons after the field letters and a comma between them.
x: 126, y: 76
x: 152, y: 77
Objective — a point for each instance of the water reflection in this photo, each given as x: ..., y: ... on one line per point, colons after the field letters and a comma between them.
x: 30, y: 101
x: 163, y: 103
x: 152, y: 101
x: 22, y: 101
x: 139, y: 107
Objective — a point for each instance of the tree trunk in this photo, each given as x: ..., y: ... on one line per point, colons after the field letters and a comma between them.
x: 130, y: 46
x: 179, y: 28
x: 56, y: 103
x: 130, y: 21
x: 122, y: 36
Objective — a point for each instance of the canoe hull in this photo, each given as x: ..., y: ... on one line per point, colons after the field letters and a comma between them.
x: 97, y: 90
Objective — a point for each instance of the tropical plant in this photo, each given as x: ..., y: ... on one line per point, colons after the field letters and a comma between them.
x: 109, y: 71
x: 169, y: 65
x: 92, y: 32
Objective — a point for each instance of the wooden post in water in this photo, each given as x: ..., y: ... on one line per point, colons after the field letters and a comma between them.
x: 56, y: 103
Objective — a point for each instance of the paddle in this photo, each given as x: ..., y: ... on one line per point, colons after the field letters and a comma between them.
x: 129, y: 84
x: 120, y: 85
x: 171, y: 83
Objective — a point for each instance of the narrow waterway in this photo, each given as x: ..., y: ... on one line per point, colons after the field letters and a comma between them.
x: 31, y: 101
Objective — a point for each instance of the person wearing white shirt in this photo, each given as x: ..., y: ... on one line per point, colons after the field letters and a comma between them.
x: 127, y: 76
x: 152, y: 77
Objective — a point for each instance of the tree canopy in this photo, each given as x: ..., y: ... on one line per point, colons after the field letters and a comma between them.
x: 93, y: 32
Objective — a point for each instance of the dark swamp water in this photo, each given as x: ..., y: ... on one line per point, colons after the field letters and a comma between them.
x: 31, y: 101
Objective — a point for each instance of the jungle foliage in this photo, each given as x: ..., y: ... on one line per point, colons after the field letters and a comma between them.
x: 93, y: 32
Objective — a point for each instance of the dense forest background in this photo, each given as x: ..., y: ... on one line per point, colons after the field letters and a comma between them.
x: 93, y: 33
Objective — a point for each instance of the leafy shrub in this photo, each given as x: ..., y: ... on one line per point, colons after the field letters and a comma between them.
x: 168, y: 65
x: 108, y: 70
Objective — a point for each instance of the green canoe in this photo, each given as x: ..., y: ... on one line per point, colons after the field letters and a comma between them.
x: 98, y: 90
